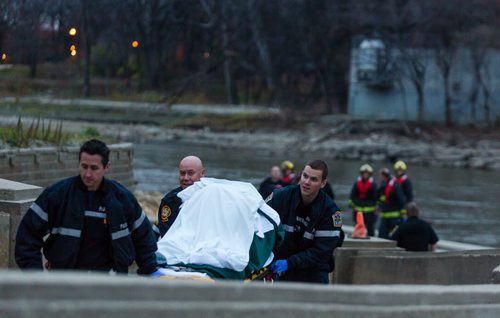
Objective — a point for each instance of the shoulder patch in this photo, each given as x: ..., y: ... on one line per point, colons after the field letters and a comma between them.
x: 337, y: 219
x: 165, y: 213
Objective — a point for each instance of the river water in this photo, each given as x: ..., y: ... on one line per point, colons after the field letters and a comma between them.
x: 462, y: 205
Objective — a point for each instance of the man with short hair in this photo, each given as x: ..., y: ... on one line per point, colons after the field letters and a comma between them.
x: 94, y: 224
x: 270, y: 183
x: 415, y: 235
x: 190, y: 170
x: 313, y: 227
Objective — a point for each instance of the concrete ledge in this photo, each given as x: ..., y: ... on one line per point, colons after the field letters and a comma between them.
x: 80, y: 295
x: 4, y: 240
x: 45, y: 165
x: 16, y: 191
x: 466, y: 267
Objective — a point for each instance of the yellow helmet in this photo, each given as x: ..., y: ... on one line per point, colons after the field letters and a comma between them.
x: 287, y: 165
x: 400, y: 165
x: 366, y: 168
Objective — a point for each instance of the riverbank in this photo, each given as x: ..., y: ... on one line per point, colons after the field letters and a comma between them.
x: 477, y: 152
x: 267, y: 129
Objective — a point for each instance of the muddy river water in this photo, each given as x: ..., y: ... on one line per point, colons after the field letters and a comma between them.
x: 463, y: 205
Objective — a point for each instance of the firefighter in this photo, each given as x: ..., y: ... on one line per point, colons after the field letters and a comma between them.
x: 312, y: 224
x: 287, y: 169
x: 405, y: 183
x: 390, y: 203
x: 93, y: 223
x: 363, y: 198
x: 190, y: 170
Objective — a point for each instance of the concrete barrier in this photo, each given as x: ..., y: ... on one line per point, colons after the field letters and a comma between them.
x: 44, y: 166
x: 79, y: 295
x: 396, y: 267
x: 15, y: 199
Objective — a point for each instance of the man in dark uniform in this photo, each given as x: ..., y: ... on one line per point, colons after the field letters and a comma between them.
x: 313, y: 227
x: 363, y: 198
x: 190, y: 170
x: 391, y: 202
x: 94, y: 224
x: 415, y: 234
x: 270, y: 183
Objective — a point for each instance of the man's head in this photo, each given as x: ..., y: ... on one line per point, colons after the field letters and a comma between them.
x: 275, y: 173
x: 385, y: 174
x: 412, y: 209
x: 400, y: 168
x: 287, y: 167
x: 94, y: 163
x: 366, y: 171
x: 190, y: 170
x: 313, y: 179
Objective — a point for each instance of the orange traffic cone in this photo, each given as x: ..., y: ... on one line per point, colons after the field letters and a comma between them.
x: 359, y: 229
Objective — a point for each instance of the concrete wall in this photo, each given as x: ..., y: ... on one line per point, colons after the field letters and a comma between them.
x: 363, y: 266
x: 400, y: 102
x: 44, y: 166
x: 15, y: 199
x: 79, y: 295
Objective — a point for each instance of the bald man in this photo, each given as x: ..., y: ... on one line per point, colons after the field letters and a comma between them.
x: 190, y: 170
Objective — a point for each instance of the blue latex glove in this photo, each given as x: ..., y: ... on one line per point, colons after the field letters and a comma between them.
x: 279, y: 266
x: 156, y: 274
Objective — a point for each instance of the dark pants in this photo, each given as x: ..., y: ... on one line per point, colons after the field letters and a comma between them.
x: 386, y: 226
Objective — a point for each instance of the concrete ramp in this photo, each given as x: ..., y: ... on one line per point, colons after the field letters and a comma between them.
x: 80, y: 295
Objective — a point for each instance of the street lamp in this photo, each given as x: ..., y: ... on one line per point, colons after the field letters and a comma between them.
x: 4, y: 56
x: 72, y: 32
x: 135, y: 44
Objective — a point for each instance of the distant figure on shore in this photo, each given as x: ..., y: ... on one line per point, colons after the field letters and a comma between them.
x: 190, y: 170
x: 390, y: 203
x: 287, y: 169
x: 92, y: 223
x: 273, y: 181
x: 415, y: 235
x: 363, y: 198
x: 403, y: 180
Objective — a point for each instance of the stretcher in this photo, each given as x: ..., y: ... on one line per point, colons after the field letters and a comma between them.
x: 224, y: 230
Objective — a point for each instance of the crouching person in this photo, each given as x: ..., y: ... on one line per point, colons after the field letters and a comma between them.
x: 93, y: 224
x: 313, y: 227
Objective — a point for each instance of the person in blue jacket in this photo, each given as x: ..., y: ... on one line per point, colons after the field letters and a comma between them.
x: 190, y: 170
x: 313, y: 227
x: 91, y: 223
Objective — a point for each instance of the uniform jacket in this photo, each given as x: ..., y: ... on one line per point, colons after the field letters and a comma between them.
x: 168, y: 210
x: 312, y: 250
x: 406, y: 186
x: 60, y: 210
x: 396, y: 200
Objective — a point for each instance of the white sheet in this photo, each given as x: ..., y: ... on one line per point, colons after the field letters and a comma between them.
x: 216, y: 225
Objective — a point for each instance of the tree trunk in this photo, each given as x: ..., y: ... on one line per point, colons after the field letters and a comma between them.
x: 88, y: 45
x: 231, y: 89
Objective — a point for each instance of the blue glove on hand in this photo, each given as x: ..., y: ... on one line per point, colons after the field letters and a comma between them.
x: 157, y: 274
x: 279, y: 266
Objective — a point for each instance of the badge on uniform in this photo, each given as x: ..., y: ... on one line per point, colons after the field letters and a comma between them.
x: 337, y: 219
x: 165, y: 213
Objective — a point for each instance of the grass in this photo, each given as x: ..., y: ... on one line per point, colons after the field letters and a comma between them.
x: 20, y: 136
x: 41, y: 132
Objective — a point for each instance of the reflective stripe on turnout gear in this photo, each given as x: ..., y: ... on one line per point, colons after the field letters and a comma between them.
x: 94, y: 214
x: 66, y: 231
x: 391, y: 214
x: 364, y: 209
x: 39, y: 211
